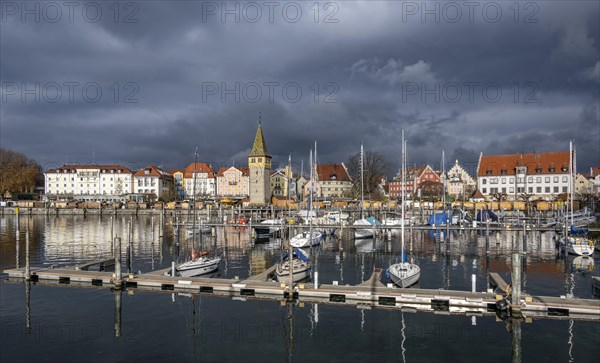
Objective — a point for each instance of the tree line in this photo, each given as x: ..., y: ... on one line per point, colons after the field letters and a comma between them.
x: 18, y: 173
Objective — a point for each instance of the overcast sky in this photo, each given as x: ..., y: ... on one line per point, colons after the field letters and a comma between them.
x: 462, y: 77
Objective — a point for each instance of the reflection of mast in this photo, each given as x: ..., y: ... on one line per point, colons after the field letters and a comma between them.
x: 289, y: 346
x: 516, y: 340
x: 403, y: 338
x: 117, y: 294
x: 27, y: 308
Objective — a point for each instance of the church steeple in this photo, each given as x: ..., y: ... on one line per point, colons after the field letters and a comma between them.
x: 260, y: 147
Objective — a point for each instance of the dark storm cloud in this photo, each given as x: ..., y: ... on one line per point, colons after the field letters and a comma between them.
x: 357, y: 77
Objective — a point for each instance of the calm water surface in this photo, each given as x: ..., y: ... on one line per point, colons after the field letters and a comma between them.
x: 78, y: 324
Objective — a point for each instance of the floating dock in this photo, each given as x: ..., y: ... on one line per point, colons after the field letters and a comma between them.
x: 369, y: 294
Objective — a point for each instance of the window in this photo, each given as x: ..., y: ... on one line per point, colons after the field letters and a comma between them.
x: 530, y: 190
x: 538, y: 170
x: 547, y: 189
x: 555, y: 189
x: 555, y: 179
x: 565, y: 179
x: 547, y: 179
x: 503, y: 190
x: 538, y: 179
x: 484, y: 190
x: 538, y: 189
x: 511, y: 190
x: 511, y: 180
x: 503, y: 171
x: 552, y: 169
x: 488, y: 172
x: 564, y: 190
x: 483, y: 181
x: 503, y: 180
x: 530, y: 179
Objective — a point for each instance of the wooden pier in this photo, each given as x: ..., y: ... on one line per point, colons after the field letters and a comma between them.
x: 369, y: 294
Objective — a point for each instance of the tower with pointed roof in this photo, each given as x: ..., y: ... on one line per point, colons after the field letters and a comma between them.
x: 259, y: 164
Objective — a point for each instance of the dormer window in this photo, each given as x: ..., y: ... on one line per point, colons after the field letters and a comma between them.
x: 488, y: 172
x: 564, y: 168
x: 538, y: 170
x: 551, y: 169
x: 147, y: 171
x: 503, y: 171
x: 333, y: 177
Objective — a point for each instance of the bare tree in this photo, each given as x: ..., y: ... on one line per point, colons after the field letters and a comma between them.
x: 18, y: 173
x: 375, y: 167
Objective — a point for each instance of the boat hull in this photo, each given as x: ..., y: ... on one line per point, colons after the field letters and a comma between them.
x: 189, y: 269
x: 302, y: 240
x: 404, y: 275
x: 363, y: 233
x: 578, y: 246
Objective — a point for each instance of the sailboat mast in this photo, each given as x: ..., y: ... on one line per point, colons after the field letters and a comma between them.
x: 571, y: 162
x: 403, y: 187
x: 194, y: 199
x: 362, y: 192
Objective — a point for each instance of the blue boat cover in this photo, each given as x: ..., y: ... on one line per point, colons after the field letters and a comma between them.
x: 485, y: 215
x: 439, y: 218
x: 373, y: 221
x: 297, y: 253
x: 578, y: 230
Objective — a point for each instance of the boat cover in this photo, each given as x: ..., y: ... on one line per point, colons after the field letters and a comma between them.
x: 578, y: 230
x: 485, y: 215
x: 374, y: 221
x: 439, y: 218
x: 297, y: 253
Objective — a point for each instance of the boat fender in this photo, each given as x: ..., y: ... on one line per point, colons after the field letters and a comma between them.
x: 502, y: 305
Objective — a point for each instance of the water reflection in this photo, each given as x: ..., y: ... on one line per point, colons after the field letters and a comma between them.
x: 447, y: 259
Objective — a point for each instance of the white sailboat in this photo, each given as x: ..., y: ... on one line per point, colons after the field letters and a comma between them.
x: 299, y: 261
x: 312, y: 237
x: 575, y: 241
x: 404, y: 274
x: 361, y: 233
x: 200, y: 264
x: 307, y: 239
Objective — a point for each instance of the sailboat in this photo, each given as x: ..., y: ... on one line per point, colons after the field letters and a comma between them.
x: 312, y: 237
x: 404, y: 274
x: 301, y: 266
x: 200, y: 263
x: 362, y: 232
x: 575, y: 241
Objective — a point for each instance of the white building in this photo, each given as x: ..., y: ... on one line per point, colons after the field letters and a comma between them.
x: 541, y: 175
x: 152, y: 180
x: 206, y: 181
x: 89, y: 182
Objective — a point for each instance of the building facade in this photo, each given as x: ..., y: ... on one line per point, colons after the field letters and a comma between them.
x: 259, y: 165
x: 460, y: 184
x: 155, y: 182
x: 233, y: 182
x: 206, y: 181
x: 178, y: 180
x: 538, y: 175
x: 583, y: 185
x: 414, y: 178
x: 89, y: 182
x: 595, y: 178
x: 334, y: 180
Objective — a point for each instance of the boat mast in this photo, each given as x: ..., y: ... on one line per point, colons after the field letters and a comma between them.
x: 362, y: 192
x: 403, y: 187
x: 573, y: 173
x: 194, y: 199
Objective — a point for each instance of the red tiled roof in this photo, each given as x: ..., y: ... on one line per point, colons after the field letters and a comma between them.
x: 327, y: 172
x: 188, y: 172
x: 477, y: 195
x: 152, y: 171
x: 114, y: 167
x: 537, y: 163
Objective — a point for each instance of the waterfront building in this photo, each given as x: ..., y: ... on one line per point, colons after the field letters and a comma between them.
x: 154, y: 183
x: 259, y: 165
x: 178, y: 180
x: 278, y: 182
x: 583, y: 185
x: 233, y: 182
x: 333, y: 180
x: 300, y: 184
x: 539, y: 175
x: 595, y: 178
x: 415, y: 177
x: 460, y: 184
x: 89, y: 182
x: 206, y: 181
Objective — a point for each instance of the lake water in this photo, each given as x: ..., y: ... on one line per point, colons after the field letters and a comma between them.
x: 64, y: 324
